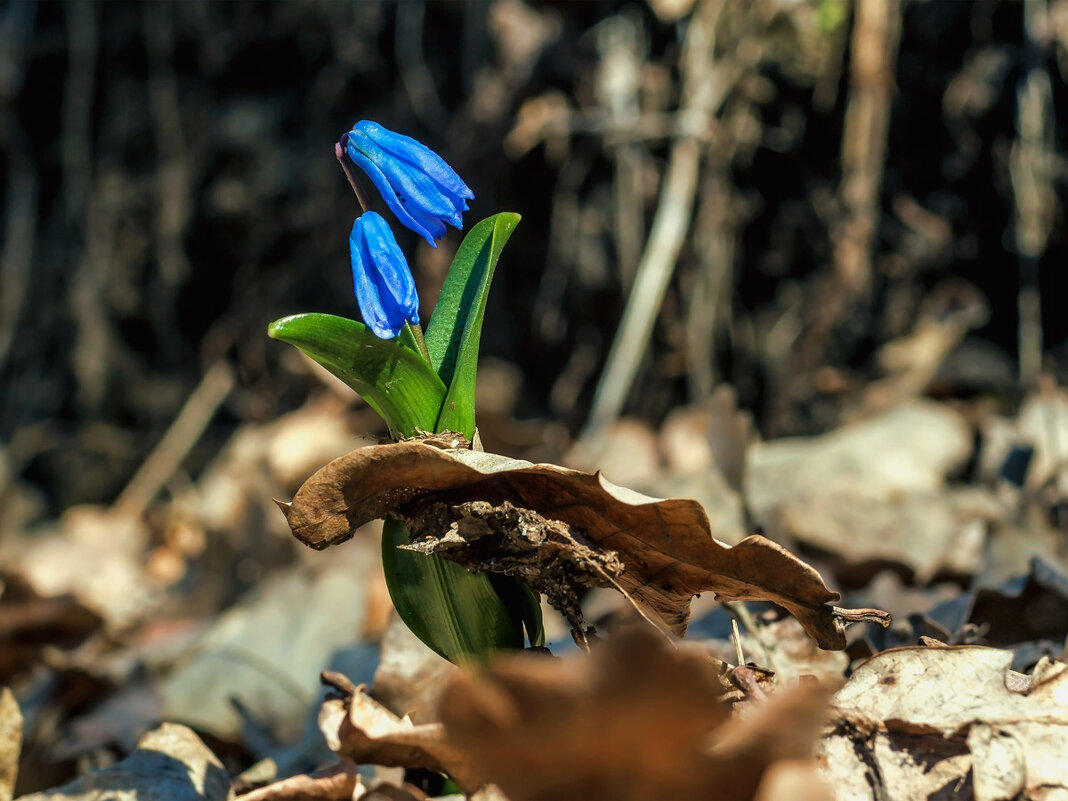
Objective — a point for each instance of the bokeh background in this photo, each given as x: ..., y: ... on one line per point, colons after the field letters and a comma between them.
x: 820, y: 207
x: 169, y: 188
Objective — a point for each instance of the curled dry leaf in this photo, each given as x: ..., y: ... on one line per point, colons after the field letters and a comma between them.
x: 362, y: 731
x: 637, y: 720
x: 341, y: 782
x: 559, y: 529
x: 921, y: 722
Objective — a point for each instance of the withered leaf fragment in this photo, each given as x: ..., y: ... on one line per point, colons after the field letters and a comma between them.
x: 666, y: 547
x: 361, y: 731
x: 926, y: 722
x: 637, y: 720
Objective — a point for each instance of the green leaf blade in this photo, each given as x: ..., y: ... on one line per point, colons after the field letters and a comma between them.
x: 454, y: 332
x: 467, y: 621
x: 392, y: 378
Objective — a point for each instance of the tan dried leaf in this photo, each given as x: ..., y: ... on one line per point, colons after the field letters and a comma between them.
x: 339, y: 782
x: 10, y: 742
x: 667, y: 551
x: 637, y: 720
x: 936, y: 719
x: 170, y: 764
x: 362, y: 731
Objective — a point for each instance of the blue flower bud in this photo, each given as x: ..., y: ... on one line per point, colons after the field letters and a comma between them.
x: 385, y: 289
x: 421, y: 189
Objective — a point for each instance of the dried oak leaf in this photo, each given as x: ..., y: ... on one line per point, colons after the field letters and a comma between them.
x: 666, y: 549
x: 362, y: 731
x: 917, y: 722
x: 638, y: 719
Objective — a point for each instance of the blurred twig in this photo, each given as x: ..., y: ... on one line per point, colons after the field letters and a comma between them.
x: 876, y: 30
x: 706, y: 83
x: 867, y: 120
x: 177, y: 442
x: 1031, y: 167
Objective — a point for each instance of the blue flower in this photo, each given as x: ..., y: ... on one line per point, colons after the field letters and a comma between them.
x: 385, y: 289
x: 421, y: 189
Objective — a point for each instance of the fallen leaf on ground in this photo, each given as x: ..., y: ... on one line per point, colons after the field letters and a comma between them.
x: 907, y: 449
x: 266, y: 651
x: 95, y: 555
x: 363, y: 732
x: 341, y: 782
x: 538, y: 514
x: 1043, y: 422
x: 170, y: 764
x: 410, y: 677
x: 10, y: 742
x: 1028, y: 613
x: 30, y: 623
x: 637, y: 719
x: 913, y: 722
x: 927, y: 532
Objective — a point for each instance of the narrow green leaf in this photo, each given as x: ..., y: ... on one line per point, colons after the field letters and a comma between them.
x: 452, y: 338
x: 455, y: 328
x: 391, y: 377
x: 457, y: 613
x: 522, y: 603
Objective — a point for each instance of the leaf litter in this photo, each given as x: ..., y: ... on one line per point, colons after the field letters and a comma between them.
x: 568, y: 529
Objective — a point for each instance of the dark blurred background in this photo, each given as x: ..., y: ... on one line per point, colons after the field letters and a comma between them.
x: 821, y: 178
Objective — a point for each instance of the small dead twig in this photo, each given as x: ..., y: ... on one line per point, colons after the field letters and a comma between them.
x: 739, y: 611
x: 182, y: 435
x: 706, y: 84
x: 737, y: 637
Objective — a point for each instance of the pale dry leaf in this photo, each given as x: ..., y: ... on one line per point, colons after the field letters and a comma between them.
x: 666, y: 548
x: 917, y: 721
x: 266, y: 650
x: 97, y: 556
x: 170, y: 764
x: 410, y: 677
x: 793, y: 781
x: 1043, y: 422
x: 10, y: 742
x: 637, y: 720
x: 927, y: 532
x: 341, y: 782
x: 907, y: 449
x: 362, y: 731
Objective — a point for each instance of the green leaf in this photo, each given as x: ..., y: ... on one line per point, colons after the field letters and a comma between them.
x: 391, y: 377
x: 457, y: 613
x: 455, y: 328
x: 452, y: 339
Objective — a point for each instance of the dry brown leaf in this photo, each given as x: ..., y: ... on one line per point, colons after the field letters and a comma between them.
x: 339, y: 782
x: 362, y: 731
x: 913, y: 722
x: 636, y: 720
x: 666, y: 550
